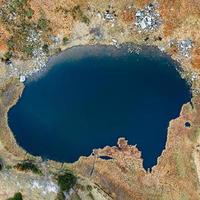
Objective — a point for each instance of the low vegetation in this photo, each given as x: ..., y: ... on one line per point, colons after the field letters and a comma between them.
x: 29, y: 13
x: 7, y: 56
x: 91, y: 196
x: 10, y: 43
x: 1, y: 164
x: 65, y: 40
x: 45, y: 48
x: 66, y: 180
x: 180, y: 166
x: 78, y: 14
x: 17, y: 196
x: 43, y: 23
x: 89, y: 188
x: 195, y: 135
x: 60, y: 196
x: 28, y: 166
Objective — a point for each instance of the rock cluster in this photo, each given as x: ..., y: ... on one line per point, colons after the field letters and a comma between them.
x: 184, y: 47
x: 147, y: 19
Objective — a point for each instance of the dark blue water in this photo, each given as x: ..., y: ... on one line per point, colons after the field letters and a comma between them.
x: 87, y: 103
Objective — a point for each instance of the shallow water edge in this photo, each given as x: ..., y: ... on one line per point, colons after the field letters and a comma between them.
x: 80, y: 51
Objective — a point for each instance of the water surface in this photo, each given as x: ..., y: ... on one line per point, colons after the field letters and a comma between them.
x: 93, y: 96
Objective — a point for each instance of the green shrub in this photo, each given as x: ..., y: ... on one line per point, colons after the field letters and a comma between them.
x: 66, y: 180
x: 28, y: 166
x: 29, y: 13
x: 10, y: 43
x: 42, y: 23
x: 89, y: 188
x: 28, y: 49
x: 65, y: 40
x: 8, y: 55
x: 1, y: 164
x: 17, y: 196
x: 17, y: 4
x: 85, y: 19
x: 45, y: 48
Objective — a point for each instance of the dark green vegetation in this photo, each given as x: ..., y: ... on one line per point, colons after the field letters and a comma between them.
x: 17, y: 196
x: 66, y: 180
x: 7, y: 56
x: 65, y: 40
x: 28, y: 165
x: 89, y: 188
x: 1, y: 164
x: 45, y: 48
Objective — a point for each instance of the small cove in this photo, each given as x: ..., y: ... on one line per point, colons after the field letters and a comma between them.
x: 93, y: 95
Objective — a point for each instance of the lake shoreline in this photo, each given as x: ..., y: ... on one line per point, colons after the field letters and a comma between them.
x: 111, y: 49
x: 149, y: 63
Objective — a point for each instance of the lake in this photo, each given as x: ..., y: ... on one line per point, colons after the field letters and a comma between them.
x: 91, y: 96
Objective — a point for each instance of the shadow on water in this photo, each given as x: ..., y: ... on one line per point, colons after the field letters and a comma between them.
x: 92, y: 96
